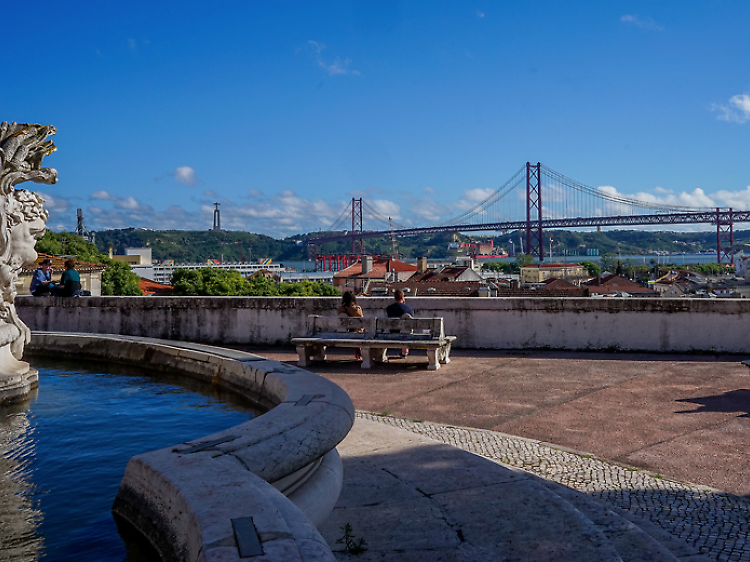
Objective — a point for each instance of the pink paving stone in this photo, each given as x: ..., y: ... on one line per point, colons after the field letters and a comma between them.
x: 683, y: 416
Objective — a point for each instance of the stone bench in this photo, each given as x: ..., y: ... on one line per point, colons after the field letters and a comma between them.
x: 373, y: 336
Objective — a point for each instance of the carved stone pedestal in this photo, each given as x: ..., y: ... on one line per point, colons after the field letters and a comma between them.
x: 14, y: 388
x: 22, y: 223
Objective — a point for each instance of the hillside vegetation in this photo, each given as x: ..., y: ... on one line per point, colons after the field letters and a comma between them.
x: 190, y: 246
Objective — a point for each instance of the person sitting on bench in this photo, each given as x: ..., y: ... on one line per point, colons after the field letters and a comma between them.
x: 70, y: 282
x: 349, y: 307
x: 398, y: 309
x: 41, y: 283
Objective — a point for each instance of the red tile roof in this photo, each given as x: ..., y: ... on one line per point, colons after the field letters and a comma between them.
x: 615, y: 283
x: 58, y: 265
x: 150, y: 288
x: 380, y: 267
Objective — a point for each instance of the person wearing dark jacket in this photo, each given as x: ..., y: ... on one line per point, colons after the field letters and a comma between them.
x: 398, y: 309
x: 70, y: 282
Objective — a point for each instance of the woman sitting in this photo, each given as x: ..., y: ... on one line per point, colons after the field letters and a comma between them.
x: 70, y: 282
x: 349, y: 307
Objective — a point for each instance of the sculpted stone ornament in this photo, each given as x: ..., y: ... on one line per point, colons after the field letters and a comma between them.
x: 22, y: 222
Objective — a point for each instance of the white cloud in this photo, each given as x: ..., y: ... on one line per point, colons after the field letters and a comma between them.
x: 738, y: 109
x: 480, y: 14
x: 55, y: 204
x: 738, y: 200
x: 103, y: 195
x: 643, y: 23
x: 478, y: 195
x: 315, y: 46
x: 339, y: 66
x: 426, y: 211
x: 185, y: 175
x: 696, y: 199
x: 129, y: 203
x: 386, y: 208
x: 290, y: 213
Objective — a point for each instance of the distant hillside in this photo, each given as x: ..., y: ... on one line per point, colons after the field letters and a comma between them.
x: 189, y: 246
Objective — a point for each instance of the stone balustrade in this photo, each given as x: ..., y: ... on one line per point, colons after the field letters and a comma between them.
x: 659, y: 325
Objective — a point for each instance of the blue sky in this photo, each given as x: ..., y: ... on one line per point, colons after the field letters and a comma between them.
x: 284, y: 111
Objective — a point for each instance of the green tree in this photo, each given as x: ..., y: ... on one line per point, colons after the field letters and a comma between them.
x: 593, y: 269
x: 211, y: 281
x: 308, y: 288
x: 524, y: 259
x: 498, y: 266
x: 608, y: 262
x: 69, y: 244
x: 119, y: 279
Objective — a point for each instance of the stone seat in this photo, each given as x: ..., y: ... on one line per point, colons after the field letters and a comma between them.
x: 373, y: 336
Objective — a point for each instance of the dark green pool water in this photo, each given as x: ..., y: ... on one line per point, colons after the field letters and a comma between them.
x: 64, y: 452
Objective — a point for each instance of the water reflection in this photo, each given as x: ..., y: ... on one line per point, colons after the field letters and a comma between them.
x: 64, y: 452
x: 19, y: 519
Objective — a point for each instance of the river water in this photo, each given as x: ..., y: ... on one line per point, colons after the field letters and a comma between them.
x: 677, y: 259
x: 64, y: 452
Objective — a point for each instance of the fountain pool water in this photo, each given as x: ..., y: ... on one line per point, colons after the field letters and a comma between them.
x: 65, y: 449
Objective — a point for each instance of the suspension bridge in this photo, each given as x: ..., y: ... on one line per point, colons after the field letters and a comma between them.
x: 537, y: 198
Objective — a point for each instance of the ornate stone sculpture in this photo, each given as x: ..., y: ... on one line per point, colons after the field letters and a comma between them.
x: 22, y: 222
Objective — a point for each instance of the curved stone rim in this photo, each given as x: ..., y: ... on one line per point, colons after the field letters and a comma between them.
x: 184, y: 497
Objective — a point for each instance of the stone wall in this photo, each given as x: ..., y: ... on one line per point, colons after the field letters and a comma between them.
x: 661, y: 325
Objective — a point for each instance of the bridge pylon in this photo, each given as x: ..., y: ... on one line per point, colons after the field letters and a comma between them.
x: 358, y: 245
x: 534, y: 234
x: 724, y: 238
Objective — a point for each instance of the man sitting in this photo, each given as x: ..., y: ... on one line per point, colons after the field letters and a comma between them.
x: 41, y: 282
x: 398, y: 309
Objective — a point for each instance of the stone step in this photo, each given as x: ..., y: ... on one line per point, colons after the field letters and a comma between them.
x: 635, y: 539
x: 412, y: 498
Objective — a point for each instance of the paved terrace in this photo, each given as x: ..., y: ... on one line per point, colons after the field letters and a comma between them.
x: 664, y: 440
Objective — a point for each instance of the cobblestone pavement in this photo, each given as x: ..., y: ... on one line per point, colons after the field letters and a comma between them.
x: 714, y: 522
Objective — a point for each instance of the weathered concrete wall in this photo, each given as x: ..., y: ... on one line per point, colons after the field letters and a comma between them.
x: 480, y: 323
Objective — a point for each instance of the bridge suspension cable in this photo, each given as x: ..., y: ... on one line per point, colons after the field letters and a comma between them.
x: 374, y: 213
x: 342, y: 219
x: 620, y: 200
x: 515, y: 180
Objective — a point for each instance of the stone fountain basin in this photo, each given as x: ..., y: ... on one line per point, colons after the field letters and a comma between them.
x: 280, y: 469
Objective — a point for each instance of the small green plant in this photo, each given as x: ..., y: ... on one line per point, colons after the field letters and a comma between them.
x: 659, y: 476
x: 351, y: 544
x: 385, y: 413
x: 418, y: 421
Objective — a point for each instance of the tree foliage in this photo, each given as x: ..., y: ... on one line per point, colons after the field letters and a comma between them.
x: 119, y: 279
x: 210, y: 281
x: 524, y: 259
x: 69, y: 244
x: 593, y: 268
